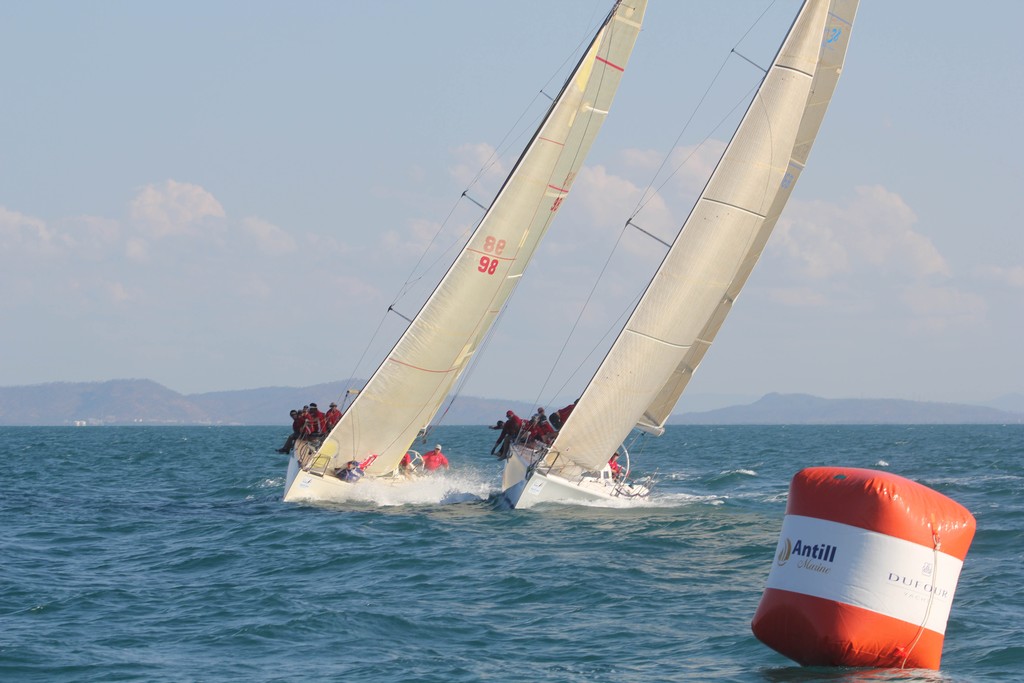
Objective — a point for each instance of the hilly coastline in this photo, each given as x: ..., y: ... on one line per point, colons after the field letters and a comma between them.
x: 144, y: 402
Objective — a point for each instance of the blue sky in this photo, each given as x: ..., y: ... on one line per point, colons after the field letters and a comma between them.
x: 228, y: 195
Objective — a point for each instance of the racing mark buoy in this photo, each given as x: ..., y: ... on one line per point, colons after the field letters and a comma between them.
x: 865, y: 571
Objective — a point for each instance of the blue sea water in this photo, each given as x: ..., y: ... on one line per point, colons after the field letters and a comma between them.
x: 166, y: 554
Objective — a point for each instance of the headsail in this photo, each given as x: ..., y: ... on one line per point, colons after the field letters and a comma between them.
x: 689, y: 297
x: 407, y: 389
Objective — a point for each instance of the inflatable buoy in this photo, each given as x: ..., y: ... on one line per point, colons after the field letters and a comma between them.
x: 865, y: 571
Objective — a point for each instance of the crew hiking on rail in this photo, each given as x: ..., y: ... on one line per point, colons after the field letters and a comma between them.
x: 308, y: 423
x: 538, y: 430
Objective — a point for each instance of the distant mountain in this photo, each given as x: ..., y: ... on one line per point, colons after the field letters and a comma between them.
x: 1013, y: 403
x: 805, y: 409
x: 269, y: 405
x: 140, y: 401
x: 132, y: 401
x: 698, y: 403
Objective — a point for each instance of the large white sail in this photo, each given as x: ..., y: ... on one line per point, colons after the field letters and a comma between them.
x: 648, y: 366
x: 407, y: 389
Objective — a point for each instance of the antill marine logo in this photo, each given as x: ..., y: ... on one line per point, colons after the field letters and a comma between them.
x: 817, y: 557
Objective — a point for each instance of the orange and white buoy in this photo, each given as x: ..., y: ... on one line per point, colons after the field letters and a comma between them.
x: 865, y: 571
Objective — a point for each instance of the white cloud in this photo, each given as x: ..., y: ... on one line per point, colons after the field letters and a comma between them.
x: 267, y: 237
x: 421, y: 232
x: 797, y: 296
x: 874, y: 231
x: 118, y: 292
x: 1009, y: 277
x: 136, y: 250
x: 815, y: 247
x: 884, y: 234
x: 20, y: 232
x: 606, y: 199
x: 474, y: 162
x: 680, y: 178
x: 90, y: 237
x: 694, y: 165
x: 646, y: 160
x: 419, y: 235
x: 174, y: 208
x: 939, y: 308
x: 867, y: 253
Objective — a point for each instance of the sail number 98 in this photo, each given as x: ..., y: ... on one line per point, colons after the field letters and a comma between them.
x: 491, y: 246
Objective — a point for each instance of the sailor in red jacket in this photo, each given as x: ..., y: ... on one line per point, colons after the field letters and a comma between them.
x: 407, y: 467
x: 317, y: 421
x: 513, y: 424
x: 559, y: 416
x: 308, y: 424
x: 332, y: 417
x: 434, y: 460
x: 541, y: 431
x: 616, y: 468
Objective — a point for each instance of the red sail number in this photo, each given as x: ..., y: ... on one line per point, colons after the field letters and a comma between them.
x: 494, y: 246
x: 488, y: 265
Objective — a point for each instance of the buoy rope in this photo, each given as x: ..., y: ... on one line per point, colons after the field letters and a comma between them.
x: 936, y: 547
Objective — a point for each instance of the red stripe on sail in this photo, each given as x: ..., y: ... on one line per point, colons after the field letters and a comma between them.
x: 614, y: 66
x: 553, y: 142
x: 487, y: 253
x: 416, y: 367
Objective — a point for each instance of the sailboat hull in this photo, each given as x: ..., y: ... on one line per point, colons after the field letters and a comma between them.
x: 524, y: 485
x: 305, y: 486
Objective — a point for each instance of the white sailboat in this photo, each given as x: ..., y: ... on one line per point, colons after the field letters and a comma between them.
x: 650, y: 363
x: 408, y: 387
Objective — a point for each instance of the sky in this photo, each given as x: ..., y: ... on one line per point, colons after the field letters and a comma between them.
x: 229, y: 195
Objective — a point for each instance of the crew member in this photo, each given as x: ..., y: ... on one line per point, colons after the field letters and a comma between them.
x: 351, y: 472
x: 435, y: 459
x: 331, y: 418
x: 616, y: 468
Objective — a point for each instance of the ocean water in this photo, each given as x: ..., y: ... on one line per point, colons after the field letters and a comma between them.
x: 166, y: 554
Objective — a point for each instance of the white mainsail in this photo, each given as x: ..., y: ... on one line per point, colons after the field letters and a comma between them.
x: 407, y: 389
x: 650, y: 363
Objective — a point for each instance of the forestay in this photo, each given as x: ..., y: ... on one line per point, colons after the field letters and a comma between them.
x: 407, y: 389
x: 700, y: 277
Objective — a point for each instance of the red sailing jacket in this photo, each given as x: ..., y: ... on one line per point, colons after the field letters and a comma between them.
x: 434, y: 460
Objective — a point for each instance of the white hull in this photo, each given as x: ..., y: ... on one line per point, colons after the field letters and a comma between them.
x: 524, y: 486
x: 305, y: 486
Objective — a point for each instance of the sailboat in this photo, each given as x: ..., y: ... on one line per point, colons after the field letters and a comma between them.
x: 407, y: 389
x: 650, y: 363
